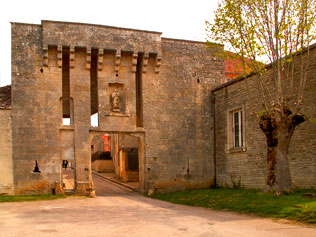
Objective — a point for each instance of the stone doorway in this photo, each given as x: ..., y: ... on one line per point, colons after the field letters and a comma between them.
x: 67, y: 161
x: 68, y: 178
x: 118, y: 157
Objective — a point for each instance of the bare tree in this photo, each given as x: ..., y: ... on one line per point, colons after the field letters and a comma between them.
x: 279, y: 32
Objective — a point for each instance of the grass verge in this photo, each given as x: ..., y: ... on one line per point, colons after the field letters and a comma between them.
x: 25, y: 198
x: 294, y: 206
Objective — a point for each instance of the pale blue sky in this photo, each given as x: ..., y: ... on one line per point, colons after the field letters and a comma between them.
x: 182, y: 19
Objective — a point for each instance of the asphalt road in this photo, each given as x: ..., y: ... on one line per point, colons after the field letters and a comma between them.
x: 119, y: 212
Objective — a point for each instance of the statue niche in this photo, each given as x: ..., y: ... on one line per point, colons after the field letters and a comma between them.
x: 117, y: 98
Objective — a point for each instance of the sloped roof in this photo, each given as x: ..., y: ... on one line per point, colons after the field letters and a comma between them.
x: 268, y: 66
x: 5, y: 97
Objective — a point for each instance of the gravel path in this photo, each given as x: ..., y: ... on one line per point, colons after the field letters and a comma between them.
x: 119, y: 212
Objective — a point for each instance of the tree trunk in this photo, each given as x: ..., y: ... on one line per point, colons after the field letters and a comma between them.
x: 279, y: 134
x: 283, y: 181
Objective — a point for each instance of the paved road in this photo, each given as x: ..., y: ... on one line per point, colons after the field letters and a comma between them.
x: 119, y: 212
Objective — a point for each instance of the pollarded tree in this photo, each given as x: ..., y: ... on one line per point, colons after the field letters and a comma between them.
x: 280, y: 32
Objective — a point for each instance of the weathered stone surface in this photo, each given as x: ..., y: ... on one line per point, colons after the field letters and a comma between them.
x: 174, y: 82
x: 35, y: 116
x: 177, y: 116
x: 6, y: 174
x: 87, y: 35
x: 103, y: 166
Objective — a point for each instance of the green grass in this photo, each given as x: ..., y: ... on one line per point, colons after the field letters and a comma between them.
x: 292, y: 207
x: 25, y: 198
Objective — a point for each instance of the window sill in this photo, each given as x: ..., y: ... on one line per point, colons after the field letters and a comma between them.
x: 117, y: 114
x: 66, y: 127
x: 237, y: 150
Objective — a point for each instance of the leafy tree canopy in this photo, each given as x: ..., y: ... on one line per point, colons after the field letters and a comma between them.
x: 269, y: 30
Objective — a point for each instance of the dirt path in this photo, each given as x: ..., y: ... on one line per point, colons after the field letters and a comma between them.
x: 120, y: 212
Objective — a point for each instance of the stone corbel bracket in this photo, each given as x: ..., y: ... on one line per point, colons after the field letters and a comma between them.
x: 100, y: 59
x: 72, y: 57
x: 117, y: 61
x: 60, y: 56
x: 45, y: 56
x: 158, y: 63
x: 88, y: 58
x: 145, y: 63
x: 134, y: 62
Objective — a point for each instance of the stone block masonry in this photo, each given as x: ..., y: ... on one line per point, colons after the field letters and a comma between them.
x: 177, y: 117
x: 6, y: 174
x: 135, y: 83
x: 249, y: 164
x: 138, y: 84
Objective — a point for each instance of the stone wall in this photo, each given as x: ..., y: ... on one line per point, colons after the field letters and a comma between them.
x: 249, y: 164
x: 126, y: 141
x: 6, y: 166
x: 164, y: 95
x: 177, y: 117
x: 88, y: 35
x: 35, y: 113
x: 103, y: 166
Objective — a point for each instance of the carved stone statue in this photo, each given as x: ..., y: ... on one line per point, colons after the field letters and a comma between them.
x: 115, y: 97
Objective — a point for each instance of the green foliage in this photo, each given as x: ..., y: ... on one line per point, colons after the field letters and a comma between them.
x: 313, y: 120
x: 261, y: 113
x: 292, y: 206
x: 260, y: 28
x: 273, y: 31
x: 24, y: 198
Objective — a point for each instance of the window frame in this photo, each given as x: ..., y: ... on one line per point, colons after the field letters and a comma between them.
x: 231, y: 129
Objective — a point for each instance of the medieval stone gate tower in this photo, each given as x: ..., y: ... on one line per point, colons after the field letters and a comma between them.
x: 138, y: 83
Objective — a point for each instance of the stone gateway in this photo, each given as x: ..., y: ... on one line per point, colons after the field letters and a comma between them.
x: 152, y: 110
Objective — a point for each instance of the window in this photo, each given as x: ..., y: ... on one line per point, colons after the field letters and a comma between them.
x: 237, y: 126
x: 66, y: 121
x: 236, y: 130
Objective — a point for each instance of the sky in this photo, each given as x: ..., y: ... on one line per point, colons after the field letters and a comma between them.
x: 180, y: 19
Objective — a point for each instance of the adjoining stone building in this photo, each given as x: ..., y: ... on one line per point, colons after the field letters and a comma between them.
x: 6, y: 174
x: 244, y: 161
x: 73, y: 82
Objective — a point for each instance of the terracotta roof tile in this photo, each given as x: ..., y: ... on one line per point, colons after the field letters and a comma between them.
x: 233, y: 66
